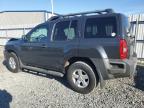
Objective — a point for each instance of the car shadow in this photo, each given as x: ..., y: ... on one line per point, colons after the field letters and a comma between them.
x: 139, y: 78
x: 5, y: 99
x: 62, y: 80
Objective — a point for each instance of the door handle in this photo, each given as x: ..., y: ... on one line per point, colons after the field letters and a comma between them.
x: 44, y: 46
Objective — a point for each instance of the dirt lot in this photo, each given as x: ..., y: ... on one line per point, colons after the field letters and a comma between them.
x: 27, y: 90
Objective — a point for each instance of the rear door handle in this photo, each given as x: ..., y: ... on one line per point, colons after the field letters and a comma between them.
x: 44, y: 46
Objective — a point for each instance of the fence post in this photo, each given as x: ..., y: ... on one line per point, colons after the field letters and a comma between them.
x: 24, y: 31
x: 6, y: 33
x: 137, y: 28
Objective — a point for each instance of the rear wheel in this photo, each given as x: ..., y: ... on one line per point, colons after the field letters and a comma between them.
x: 13, y: 63
x: 81, y: 77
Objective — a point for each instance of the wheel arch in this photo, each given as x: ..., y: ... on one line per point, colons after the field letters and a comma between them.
x: 86, y: 60
x: 12, y: 51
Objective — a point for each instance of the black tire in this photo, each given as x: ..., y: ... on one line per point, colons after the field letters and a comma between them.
x: 15, y: 58
x: 90, y: 73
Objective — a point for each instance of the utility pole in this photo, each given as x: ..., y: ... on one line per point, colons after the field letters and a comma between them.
x: 52, y: 6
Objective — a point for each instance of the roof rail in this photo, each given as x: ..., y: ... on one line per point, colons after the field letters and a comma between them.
x: 106, y: 11
x: 54, y: 18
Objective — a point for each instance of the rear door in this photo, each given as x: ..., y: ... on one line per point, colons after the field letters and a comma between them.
x: 100, y: 31
x: 64, y: 42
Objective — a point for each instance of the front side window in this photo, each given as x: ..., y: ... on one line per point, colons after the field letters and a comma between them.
x: 65, y: 30
x: 100, y: 27
x: 39, y: 35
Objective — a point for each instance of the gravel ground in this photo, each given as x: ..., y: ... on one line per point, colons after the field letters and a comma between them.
x: 1, y: 51
x: 27, y: 90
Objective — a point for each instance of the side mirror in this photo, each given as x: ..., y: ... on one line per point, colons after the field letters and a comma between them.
x: 24, y: 37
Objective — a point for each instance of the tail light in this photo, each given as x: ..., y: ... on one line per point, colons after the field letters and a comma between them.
x: 123, y: 49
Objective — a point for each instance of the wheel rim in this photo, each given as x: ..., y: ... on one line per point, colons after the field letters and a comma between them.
x: 80, y: 78
x: 12, y: 63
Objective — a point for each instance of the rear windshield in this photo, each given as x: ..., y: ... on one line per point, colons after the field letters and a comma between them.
x: 105, y: 27
x: 126, y: 25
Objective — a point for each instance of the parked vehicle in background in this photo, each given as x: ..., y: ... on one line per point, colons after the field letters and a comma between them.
x: 89, y: 48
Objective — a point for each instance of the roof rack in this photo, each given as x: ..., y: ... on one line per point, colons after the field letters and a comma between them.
x: 54, y: 18
x: 106, y: 11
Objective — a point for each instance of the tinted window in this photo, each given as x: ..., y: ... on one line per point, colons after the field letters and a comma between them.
x: 65, y: 30
x: 100, y: 27
x: 38, y: 35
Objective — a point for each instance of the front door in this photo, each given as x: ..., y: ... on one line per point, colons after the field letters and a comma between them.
x: 34, y: 49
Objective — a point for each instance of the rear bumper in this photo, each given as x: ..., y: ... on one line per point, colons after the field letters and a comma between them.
x: 115, y: 68
x: 123, y: 68
x: 132, y: 63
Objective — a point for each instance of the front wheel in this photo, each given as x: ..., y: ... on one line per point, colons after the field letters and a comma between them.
x: 13, y: 63
x: 81, y: 77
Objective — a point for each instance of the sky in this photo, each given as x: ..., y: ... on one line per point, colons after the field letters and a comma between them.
x: 72, y: 6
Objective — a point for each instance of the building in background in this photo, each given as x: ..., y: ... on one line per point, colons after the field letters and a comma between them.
x: 17, y: 23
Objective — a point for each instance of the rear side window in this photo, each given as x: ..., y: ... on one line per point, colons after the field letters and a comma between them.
x: 65, y: 30
x: 100, y: 27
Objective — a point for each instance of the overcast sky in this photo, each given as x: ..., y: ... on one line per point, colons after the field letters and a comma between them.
x: 71, y: 6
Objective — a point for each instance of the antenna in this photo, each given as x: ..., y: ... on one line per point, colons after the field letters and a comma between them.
x: 52, y: 6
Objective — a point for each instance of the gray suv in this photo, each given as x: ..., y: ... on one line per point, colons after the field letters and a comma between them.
x: 88, y: 48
